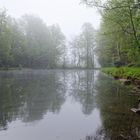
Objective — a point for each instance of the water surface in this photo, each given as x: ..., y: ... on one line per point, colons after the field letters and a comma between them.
x: 65, y: 105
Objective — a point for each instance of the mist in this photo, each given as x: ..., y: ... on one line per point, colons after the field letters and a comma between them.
x: 48, y: 34
x: 55, y: 56
x: 70, y: 15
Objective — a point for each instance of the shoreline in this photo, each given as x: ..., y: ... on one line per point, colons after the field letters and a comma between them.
x: 127, y: 76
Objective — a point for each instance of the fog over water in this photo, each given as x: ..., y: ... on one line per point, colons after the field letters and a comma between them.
x: 51, y: 87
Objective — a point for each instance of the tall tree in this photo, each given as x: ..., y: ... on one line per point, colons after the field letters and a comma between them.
x: 5, y: 40
x: 38, y: 40
x: 83, y: 47
x: 57, y: 45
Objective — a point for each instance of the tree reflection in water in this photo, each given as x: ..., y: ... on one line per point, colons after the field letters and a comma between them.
x: 119, y: 122
x: 82, y: 90
x: 30, y: 94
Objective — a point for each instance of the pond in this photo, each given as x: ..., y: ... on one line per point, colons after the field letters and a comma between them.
x: 65, y: 105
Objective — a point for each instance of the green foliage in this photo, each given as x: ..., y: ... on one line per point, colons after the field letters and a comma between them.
x: 5, y: 40
x: 83, y: 47
x: 118, y: 37
x: 123, y: 72
x: 29, y: 42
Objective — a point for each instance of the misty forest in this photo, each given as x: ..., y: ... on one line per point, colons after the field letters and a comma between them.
x: 28, y: 42
x: 86, y: 86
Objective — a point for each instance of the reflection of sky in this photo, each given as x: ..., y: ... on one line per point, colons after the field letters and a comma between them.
x: 70, y: 123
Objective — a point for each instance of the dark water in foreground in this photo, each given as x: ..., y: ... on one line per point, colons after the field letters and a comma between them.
x: 65, y: 105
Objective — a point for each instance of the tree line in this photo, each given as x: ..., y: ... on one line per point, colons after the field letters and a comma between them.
x: 118, y: 39
x: 29, y: 42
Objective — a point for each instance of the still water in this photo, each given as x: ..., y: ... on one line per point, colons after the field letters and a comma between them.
x: 65, y: 105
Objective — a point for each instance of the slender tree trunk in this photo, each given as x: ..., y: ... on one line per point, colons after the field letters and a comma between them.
x: 118, y: 51
x: 87, y: 47
x: 133, y: 27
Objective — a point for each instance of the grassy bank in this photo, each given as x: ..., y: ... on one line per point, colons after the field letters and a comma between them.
x: 123, y: 72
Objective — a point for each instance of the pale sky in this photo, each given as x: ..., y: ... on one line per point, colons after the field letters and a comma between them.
x: 69, y: 14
